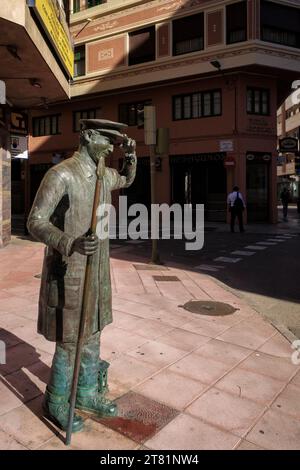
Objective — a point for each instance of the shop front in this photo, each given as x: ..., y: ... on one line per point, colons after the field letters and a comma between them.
x: 200, y: 179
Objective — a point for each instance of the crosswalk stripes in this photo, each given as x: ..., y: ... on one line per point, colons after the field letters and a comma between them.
x: 267, y: 243
x: 255, y: 247
x: 248, y: 250
x: 243, y: 253
x: 226, y: 259
x: 208, y: 267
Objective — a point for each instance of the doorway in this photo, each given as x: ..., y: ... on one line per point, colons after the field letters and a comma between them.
x: 258, y: 169
x: 200, y: 179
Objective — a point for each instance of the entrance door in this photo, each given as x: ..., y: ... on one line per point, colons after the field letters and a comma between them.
x: 200, y: 180
x: 140, y: 190
x: 257, y: 191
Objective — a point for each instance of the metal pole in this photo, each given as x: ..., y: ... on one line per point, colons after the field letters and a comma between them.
x: 154, y: 255
x: 85, y: 301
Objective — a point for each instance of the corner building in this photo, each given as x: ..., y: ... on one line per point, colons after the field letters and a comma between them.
x: 216, y: 72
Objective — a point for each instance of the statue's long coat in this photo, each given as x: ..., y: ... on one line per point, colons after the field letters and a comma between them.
x: 61, y: 212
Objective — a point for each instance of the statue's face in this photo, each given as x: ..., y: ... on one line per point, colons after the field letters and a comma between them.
x: 97, y: 145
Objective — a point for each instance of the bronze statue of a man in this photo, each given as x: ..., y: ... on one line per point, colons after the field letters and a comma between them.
x: 61, y: 218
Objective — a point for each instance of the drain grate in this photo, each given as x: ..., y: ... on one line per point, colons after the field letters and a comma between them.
x: 150, y: 267
x: 208, y: 307
x: 165, y: 278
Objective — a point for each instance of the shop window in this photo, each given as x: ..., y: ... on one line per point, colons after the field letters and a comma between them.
x: 280, y: 24
x: 236, y: 22
x: 258, y: 101
x: 79, y: 61
x: 46, y: 125
x: 141, y: 46
x: 197, y: 105
x: 76, y: 6
x: 93, y: 3
x: 84, y: 114
x: 128, y: 112
x: 188, y: 34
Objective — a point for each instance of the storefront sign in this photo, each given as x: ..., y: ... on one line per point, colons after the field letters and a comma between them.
x: 288, y: 169
x: 259, y: 157
x: 49, y: 12
x: 288, y: 144
x: 19, y: 146
x: 19, y: 123
x: 202, y: 158
x: 226, y: 145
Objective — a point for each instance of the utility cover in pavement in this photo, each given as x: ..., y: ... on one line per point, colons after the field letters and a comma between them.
x: 208, y: 307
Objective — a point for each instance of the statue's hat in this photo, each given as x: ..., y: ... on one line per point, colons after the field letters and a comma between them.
x: 112, y: 130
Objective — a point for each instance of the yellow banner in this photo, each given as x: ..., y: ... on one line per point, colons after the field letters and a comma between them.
x: 48, y: 13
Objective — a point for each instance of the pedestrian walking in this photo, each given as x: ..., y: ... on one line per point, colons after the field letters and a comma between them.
x: 236, y: 206
x: 285, y: 199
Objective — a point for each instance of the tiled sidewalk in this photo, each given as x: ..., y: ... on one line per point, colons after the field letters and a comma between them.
x: 182, y: 380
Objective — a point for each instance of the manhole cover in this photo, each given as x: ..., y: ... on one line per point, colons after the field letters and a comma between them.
x: 208, y: 307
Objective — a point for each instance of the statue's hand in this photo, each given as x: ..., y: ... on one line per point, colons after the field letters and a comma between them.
x: 129, y: 146
x: 85, y: 245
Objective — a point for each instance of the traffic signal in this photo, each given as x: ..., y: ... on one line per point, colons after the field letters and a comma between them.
x: 150, y: 125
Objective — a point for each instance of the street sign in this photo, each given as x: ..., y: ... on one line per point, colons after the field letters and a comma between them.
x: 226, y: 145
x: 19, y: 146
x: 288, y: 144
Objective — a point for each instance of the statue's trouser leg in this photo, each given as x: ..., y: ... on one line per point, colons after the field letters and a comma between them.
x: 56, y: 404
x: 90, y: 393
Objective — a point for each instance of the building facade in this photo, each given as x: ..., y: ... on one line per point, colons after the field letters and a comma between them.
x: 288, y: 129
x: 36, y: 59
x: 216, y: 71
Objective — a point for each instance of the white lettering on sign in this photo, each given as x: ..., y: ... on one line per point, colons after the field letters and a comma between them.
x: 106, y: 54
x: 226, y: 145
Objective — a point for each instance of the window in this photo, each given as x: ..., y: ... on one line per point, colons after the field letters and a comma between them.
x: 128, y: 112
x: 84, y: 114
x: 46, y: 125
x: 141, y: 46
x: 188, y: 34
x: 76, y: 6
x: 79, y: 61
x: 236, y: 22
x: 197, y: 105
x: 93, y: 3
x: 258, y: 101
x: 280, y: 24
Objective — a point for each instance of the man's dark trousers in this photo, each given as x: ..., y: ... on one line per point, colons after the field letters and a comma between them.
x: 239, y: 214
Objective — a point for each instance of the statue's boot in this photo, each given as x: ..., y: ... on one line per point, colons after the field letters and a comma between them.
x: 90, y: 393
x: 56, y: 402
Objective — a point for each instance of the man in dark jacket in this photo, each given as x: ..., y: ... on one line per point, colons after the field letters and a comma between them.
x: 236, y: 207
x: 285, y: 199
x: 60, y: 217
